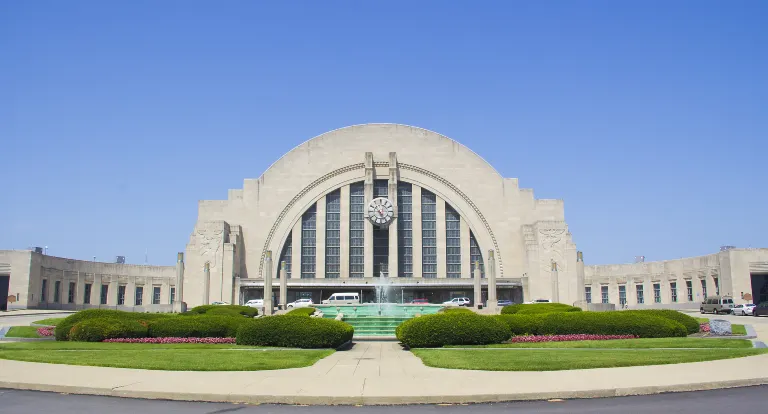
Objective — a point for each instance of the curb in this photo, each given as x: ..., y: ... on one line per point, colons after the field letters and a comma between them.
x: 385, y: 400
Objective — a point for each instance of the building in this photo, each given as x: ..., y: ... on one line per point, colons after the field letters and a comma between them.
x: 346, y: 208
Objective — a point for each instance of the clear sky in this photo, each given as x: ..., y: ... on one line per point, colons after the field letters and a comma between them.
x: 649, y: 118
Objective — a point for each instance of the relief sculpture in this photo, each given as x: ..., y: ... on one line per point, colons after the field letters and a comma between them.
x: 209, y: 239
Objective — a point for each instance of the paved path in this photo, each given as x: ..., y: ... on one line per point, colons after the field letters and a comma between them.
x: 740, y: 400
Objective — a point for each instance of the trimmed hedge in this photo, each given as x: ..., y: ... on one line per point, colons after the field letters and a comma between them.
x: 610, y: 323
x: 537, y: 308
x: 294, y: 331
x: 453, y: 328
x: 224, y: 310
x: 197, y: 326
x: 99, y: 329
x: 455, y: 310
x: 302, y: 311
x: 64, y: 327
x: 690, y: 323
x: 522, y: 324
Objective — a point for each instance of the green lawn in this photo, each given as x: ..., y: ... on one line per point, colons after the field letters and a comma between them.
x: 644, y: 343
x: 565, y: 359
x: 22, y: 332
x: 738, y: 329
x: 171, y: 357
x: 49, y: 321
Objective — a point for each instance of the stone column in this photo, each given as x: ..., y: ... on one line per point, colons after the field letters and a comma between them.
x: 268, y: 307
x: 179, y: 280
x: 236, y: 292
x: 580, y: 278
x: 149, y: 288
x: 206, y: 283
x: 555, y: 284
x: 130, y: 292
x: 490, y: 271
x: 370, y: 173
x: 416, y: 226
x: 284, y: 286
x: 343, y: 234
x: 80, y: 288
x: 478, y: 286
x: 165, y: 292
x: 96, y: 290
x: 320, y: 238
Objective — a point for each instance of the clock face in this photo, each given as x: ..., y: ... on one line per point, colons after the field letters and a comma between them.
x: 381, y: 211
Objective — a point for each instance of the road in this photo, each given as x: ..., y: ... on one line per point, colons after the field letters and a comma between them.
x: 744, y: 400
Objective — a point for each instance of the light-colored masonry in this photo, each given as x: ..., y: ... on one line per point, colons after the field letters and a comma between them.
x: 459, y: 211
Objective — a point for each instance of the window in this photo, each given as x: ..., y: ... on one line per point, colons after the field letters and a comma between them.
x: 640, y: 298
x: 71, y: 292
x: 104, y: 293
x: 704, y: 288
x: 139, y: 298
x: 689, y: 288
x: 380, y: 236
x: 452, y: 243
x: 475, y: 255
x: 155, y: 295
x: 588, y: 294
x: 356, y: 230
x: 56, y: 291
x: 622, y: 295
x: 173, y: 295
x: 404, y: 230
x: 717, y: 286
x: 428, y: 234
x: 333, y: 234
x: 87, y: 294
x: 657, y: 292
x: 44, y: 293
x: 308, y: 247
x: 286, y: 255
x: 673, y: 289
x: 604, y: 293
x: 121, y: 295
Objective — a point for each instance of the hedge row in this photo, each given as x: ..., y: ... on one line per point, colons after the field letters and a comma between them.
x: 643, y: 325
x: 302, y: 311
x: 97, y: 330
x: 294, y: 331
x: 223, y: 310
x: 64, y: 327
x: 199, y: 326
x: 452, y: 328
x: 537, y: 308
x: 690, y: 323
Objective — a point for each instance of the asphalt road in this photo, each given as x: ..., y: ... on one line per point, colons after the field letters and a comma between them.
x: 743, y: 400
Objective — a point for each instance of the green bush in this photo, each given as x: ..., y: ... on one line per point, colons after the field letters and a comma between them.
x: 538, y: 308
x: 522, y: 324
x: 294, y: 331
x: 453, y: 328
x: 197, y: 326
x: 690, y: 323
x: 455, y: 310
x: 99, y: 329
x: 610, y: 323
x: 65, y: 326
x: 302, y: 311
x: 224, y: 310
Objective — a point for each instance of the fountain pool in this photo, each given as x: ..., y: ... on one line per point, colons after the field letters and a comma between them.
x: 376, y: 319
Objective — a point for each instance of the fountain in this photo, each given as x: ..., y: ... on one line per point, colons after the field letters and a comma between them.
x: 379, y: 319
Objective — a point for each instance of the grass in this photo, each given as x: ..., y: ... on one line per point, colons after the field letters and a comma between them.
x: 565, y: 359
x: 22, y: 332
x: 738, y: 329
x: 170, y: 357
x: 644, y: 343
x: 49, y: 321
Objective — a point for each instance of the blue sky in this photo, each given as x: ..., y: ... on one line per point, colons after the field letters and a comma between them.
x: 649, y: 118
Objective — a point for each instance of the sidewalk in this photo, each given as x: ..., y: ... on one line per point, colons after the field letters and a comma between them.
x: 381, y: 373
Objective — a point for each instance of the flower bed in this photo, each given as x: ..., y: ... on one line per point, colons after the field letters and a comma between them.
x: 704, y: 327
x: 171, y: 340
x: 46, y: 331
x: 563, y: 338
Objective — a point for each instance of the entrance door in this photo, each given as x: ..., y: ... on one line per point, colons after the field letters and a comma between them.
x: 4, y: 284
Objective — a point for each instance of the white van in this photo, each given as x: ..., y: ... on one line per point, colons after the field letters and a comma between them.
x: 350, y: 298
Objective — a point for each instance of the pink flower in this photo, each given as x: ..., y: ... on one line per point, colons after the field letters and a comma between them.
x: 704, y: 327
x: 46, y: 330
x: 171, y: 340
x: 562, y: 338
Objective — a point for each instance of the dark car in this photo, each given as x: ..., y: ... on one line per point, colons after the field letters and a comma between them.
x: 504, y: 302
x: 420, y: 302
x: 760, y: 310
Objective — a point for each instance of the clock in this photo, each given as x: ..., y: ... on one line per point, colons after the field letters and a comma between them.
x: 381, y: 211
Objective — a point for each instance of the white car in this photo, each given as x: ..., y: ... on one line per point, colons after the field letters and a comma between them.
x: 743, y: 310
x: 219, y: 303
x: 301, y: 303
x: 255, y: 303
x: 537, y: 301
x: 457, y: 302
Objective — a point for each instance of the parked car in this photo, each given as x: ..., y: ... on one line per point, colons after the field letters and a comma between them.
x: 743, y: 310
x: 537, y: 301
x: 457, y: 302
x: 219, y: 303
x: 717, y: 304
x: 760, y: 310
x: 419, y: 302
x: 301, y: 303
x: 504, y: 302
x: 255, y: 303
x: 351, y: 298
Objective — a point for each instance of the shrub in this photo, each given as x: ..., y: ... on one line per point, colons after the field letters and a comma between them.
x: 294, y: 331
x: 522, y: 324
x: 99, y: 329
x: 610, y: 323
x: 456, y: 328
x: 690, y: 323
x: 224, y: 310
x: 455, y: 310
x: 197, y: 326
x: 537, y: 308
x: 302, y: 311
x: 65, y: 326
